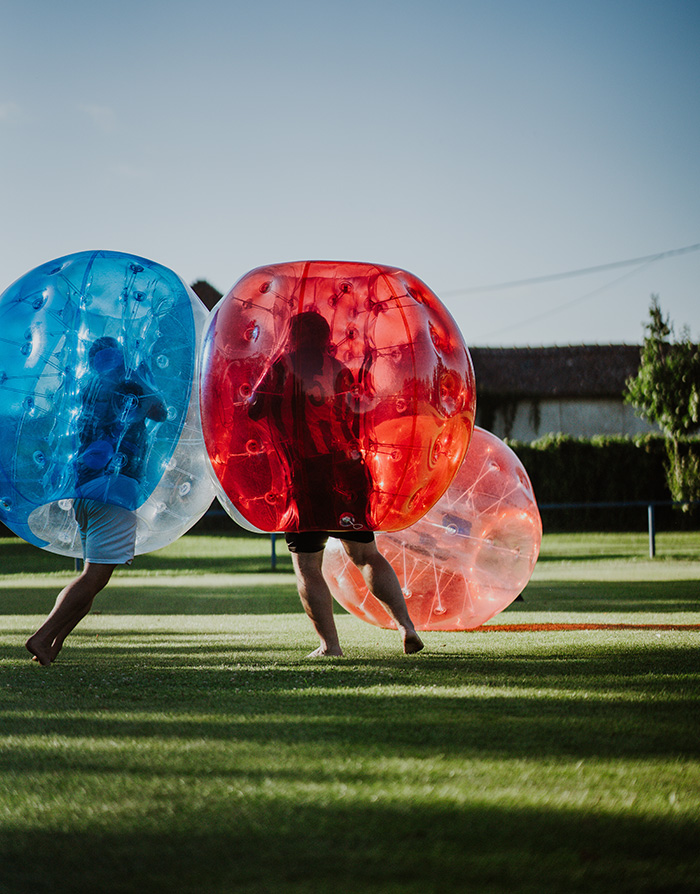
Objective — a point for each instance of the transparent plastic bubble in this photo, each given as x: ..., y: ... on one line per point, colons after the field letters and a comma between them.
x: 84, y: 410
x: 467, y: 558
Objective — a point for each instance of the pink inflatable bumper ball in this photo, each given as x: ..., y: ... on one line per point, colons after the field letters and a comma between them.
x: 468, y: 558
x: 334, y: 396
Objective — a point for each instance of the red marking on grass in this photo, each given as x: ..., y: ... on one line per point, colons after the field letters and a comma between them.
x: 528, y: 628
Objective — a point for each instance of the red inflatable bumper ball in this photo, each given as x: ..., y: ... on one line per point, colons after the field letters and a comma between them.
x: 335, y: 396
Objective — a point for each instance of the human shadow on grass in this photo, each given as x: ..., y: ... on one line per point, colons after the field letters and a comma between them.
x: 243, y: 844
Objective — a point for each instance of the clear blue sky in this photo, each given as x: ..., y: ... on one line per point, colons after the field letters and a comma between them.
x: 472, y: 142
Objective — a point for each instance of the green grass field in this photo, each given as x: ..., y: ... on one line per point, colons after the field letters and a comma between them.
x: 183, y: 743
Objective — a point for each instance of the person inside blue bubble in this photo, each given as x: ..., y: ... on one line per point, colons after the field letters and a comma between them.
x: 119, y: 410
x: 118, y: 405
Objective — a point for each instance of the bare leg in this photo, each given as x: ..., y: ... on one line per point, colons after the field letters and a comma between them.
x: 72, y: 604
x: 383, y: 583
x: 317, y: 601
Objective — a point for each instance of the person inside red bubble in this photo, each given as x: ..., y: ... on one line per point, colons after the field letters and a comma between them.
x: 307, y: 396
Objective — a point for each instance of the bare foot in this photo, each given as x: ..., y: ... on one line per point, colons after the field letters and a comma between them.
x: 326, y: 652
x: 40, y: 653
x: 412, y: 642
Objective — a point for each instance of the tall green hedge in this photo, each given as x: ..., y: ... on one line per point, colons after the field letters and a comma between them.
x: 603, y: 469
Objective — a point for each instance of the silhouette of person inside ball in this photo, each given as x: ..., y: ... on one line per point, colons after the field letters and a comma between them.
x: 307, y: 398
x: 113, y: 437
x: 117, y: 405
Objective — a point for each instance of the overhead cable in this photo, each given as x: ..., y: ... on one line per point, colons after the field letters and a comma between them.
x: 647, y: 259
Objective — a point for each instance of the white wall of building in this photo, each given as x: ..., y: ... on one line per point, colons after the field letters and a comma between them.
x: 578, y: 418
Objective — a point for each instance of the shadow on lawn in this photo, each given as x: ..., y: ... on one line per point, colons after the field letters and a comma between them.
x: 587, y: 558
x: 627, y: 597
x: 242, y: 819
x: 23, y: 558
x: 271, y: 845
x: 152, y: 599
x: 236, y: 554
x: 274, y: 596
x: 567, y: 699
x: 165, y: 563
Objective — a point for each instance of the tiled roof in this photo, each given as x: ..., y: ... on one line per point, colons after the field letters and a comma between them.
x: 573, y: 371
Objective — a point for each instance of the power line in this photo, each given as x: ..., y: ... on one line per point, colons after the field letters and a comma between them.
x: 647, y: 259
x: 555, y: 310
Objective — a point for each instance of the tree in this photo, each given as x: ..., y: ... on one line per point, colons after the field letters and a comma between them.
x: 666, y: 391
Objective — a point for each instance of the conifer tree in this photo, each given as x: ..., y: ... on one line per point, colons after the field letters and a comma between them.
x: 666, y: 391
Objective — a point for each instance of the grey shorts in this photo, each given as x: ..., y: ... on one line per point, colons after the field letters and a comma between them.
x: 108, y: 533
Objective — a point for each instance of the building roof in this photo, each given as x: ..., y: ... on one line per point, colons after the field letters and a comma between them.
x: 206, y: 293
x: 573, y: 371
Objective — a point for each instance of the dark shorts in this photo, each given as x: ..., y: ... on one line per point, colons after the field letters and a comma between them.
x: 315, y: 541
